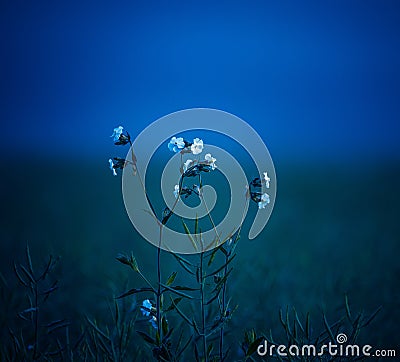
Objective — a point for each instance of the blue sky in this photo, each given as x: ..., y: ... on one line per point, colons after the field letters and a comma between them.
x: 317, y: 80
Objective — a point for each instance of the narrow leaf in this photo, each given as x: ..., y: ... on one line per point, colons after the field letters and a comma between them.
x: 179, y: 287
x: 196, y: 353
x: 171, y: 307
x: 189, y: 235
x: 372, y: 316
x: 196, y: 225
x: 346, y: 300
x: 98, y: 330
x: 171, y: 278
x: 222, y: 281
x: 213, y: 254
x: 146, y: 337
x: 134, y: 291
x: 298, y: 320
x: 308, y: 327
x: 185, y: 264
x: 253, y: 346
x: 209, y: 349
x: 221, y: 268
x: 184, y: 347
x: 183, y: 315
x: 27, y: 273
x: 20, y: 277
x: 28, y: 257
x: 164, y: 326
x: 328, y: 328
x: 176, y: 291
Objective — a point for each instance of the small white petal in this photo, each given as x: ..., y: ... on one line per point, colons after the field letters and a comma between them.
x: 187, y: 164
x: 197, y: 146
x: 211, y: 160
x: 175, y: 144
x: 117, y: 133
x: 110, y: 161
x: 266, y: 179
x: 265, y: 199
x: 176, y: 191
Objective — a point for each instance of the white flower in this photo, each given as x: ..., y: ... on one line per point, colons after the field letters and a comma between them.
x: 197, y: 189
x: 176, y: 144
x: 110, y: 161
x: 211, y: 160
x: 264, y: 201
x: 197, y: 146
x: 187, y: 165
x: 266, y: 179
x: 147, y: 307
x: 176, y: 191
x: 153, y: 322
x: 117, y: 133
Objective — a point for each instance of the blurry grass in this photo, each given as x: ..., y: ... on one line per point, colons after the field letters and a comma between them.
x: 333, y: 231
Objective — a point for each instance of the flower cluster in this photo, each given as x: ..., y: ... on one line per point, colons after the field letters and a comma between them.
x: 186, y: 191
x: 147, y: 309
x: 178, y: 144
x: 120, y: 137
x: 262, y: 199
x: 191, y: 168
x: 118, y: 163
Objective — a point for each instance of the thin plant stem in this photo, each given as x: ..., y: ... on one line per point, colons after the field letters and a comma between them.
x: 136, y: 171
x: 158, y: 306
x: 208, y: 214
x: 158, y: 292
x: 203, y: 313
x: 223, y: 301
x: 146, y: 280
x: 36, y: 331
x: 224, y: 289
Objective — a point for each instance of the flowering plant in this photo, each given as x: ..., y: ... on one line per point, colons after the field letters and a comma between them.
x: 210, y: 268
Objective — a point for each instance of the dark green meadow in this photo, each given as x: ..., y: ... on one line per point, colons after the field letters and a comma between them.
x: 334, y: 232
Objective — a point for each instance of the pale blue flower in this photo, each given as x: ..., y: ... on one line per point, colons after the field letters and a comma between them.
x: 197, y: 189
x: 264, y: 201
x: 110, y: 161
x: 266, y: 179
x: 176, y: 191
x: 117, y: 133
x: 211, y: 161
x: 176, y: 144
x: 187, y: 164
x: 197, y: 146
x: 146, y: 304
x: 153, y: 322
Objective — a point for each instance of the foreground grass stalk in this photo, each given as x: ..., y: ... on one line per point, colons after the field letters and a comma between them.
x: 223, y: 303
x: 158, y: 306
x: 203, y: 312
x: 36, y: 326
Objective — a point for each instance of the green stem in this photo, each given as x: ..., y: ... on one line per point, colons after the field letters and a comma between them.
x: 158, y: 291
x: 223, y: 301
x: 36, y: 347
x: 146, y: 280
x: 208, y: 214
x: 203, y: 313
x: 158, y: 306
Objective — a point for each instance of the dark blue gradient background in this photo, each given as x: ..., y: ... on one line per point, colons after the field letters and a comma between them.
x: 317, y: 80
